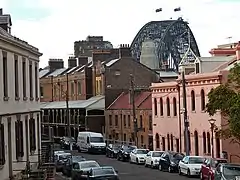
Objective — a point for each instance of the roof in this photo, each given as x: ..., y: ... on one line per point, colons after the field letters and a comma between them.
x: 216, y: 58
x: 43, y: 73
x: 111, y: 62
x: 142, y: 101
x: 79, y: 104
x: 5, y: 19
x: 57, y: 72
x: 166, y: 74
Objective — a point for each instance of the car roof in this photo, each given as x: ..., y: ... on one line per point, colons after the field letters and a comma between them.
x: 64, y: 154
x: 196, y: 156
x: 82, y: 162
x: 230, y: 164
x: 157, y: 151
x: 103, y: 167
x: 141, y: 149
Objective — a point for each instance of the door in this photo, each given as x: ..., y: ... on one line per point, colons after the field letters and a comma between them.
x: 148, y: 158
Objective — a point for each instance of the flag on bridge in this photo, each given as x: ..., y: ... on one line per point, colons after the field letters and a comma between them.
x: 177, y: 9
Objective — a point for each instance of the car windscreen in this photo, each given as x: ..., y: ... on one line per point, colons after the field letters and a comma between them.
x: 142, y: 151
x: 196, y: 160
x: 77, y: 158
x: 64, y: 156
x: 115, y: 147
x: 219, y: 161
x: 96, y: 139
x: 176, y: 157
x: 103, y: 171
x: 157, y: 154
x: 89, y: 165
x: 128, y: 148
x: 231, y: 171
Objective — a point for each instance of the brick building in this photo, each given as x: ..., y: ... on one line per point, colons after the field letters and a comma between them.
x: 119, y: 118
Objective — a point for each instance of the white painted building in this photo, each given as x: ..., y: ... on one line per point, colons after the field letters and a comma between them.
x: 20, y: 132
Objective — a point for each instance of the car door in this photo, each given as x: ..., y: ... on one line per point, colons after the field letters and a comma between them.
x: 148, y: 158
x: 184, y: 165
x: 133, y: 156
x: 75, y: 170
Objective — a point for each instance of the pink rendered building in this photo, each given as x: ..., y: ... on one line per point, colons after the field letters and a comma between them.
x: 168, y: 122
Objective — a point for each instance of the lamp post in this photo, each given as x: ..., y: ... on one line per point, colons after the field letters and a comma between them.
x: 212, y: 125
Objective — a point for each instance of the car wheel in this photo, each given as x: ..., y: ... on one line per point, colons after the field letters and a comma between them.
x: 79, y: 150
x: 146, y: 165
x: 179, y: 171
x: 160, y: 167
x: 188, y: 173
x: 137, y: 161
x: 118, y: 157
x: 169, y: 169
x: 152, y: 165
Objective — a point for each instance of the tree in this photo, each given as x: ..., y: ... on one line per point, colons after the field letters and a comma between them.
x: 226, y: 99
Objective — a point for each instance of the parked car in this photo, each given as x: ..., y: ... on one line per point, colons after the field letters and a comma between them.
x: 107, y: 172
x: 112, y: 150
x: 138, y: 156
x: 60, y: 159
x: 152, y: 158
x: 124, y: 152
x: 169, y: 161
x: 209, y: 166
x: 66, y: 141
x: 227, y: 172
x: 191, y: 165
x: 67, y: 168
x: 80, y: 170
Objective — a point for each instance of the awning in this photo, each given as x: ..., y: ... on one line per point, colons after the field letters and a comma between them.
x: 79, y: 104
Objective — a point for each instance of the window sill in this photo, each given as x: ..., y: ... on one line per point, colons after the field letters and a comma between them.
x: 193, y: 111
x: 19, y: 159
x: 25, y: 98
x: 17, y: 98
x: 5, y: 98
x: 31, y: 98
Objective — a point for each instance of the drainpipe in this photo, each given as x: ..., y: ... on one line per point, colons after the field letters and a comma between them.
x: 10, y: 159
x: 39, y: 140
x: 179, y: 118
x: 52, y: 88
x: 27, y: 144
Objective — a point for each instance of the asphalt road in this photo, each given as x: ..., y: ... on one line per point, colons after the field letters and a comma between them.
x: 129, y: 171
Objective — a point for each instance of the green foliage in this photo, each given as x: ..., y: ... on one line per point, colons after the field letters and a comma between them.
x: 226, y: 98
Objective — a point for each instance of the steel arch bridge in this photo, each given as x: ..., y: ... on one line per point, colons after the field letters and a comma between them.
x: 171, y: 38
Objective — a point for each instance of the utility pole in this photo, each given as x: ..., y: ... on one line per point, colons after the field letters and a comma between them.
x: 132, y: 93
x: 186, y: 122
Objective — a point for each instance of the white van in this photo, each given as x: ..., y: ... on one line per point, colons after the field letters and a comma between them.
x: 91, y: 142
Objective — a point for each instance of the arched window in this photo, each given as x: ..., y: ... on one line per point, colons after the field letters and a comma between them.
x: 171, y: 142
x: 217, y: 145
x: 163, y: 144
x: 193, y: 100
x: 142, y: 141
x: 168, y: 141
x: 174, y: 107
x: 202, y: 100
x: 204, y: 143
x: 161, y: 107
x: 168, y: 106
x: 157, y: 141
x: 196, y: 143
x: 189, y: 140
x: 208, y: 143
x: 155, y: 106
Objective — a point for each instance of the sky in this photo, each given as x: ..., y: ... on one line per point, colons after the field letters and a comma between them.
x: 54, y: 25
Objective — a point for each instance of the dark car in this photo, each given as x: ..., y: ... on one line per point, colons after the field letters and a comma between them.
x: 112, y: 150
x: 66, y: 141
x: 67, y: 168
x: 124, y: 152
x: 169, y: 161
x: 227, y: 172
x: 209, y: 166
x: 101, y: 173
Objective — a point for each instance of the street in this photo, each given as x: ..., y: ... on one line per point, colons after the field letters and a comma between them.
x: 129, y: 171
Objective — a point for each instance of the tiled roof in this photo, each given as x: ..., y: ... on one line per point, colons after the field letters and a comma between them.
x: 142, y: 101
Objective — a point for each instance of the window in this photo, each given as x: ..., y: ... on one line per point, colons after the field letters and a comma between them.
x: 168, y: 106
x: 163, y: 144
x: 32, y: 132
x: 150, y: 123
x: 2, y: 145
x: 204, y: 143
x: 168, y: 141
x: 24, y: 80
x: 19, y: 137
x: 124, y: 121
x: 157, y: 141
x: 72, y: 88
x: 171, y: 142
x: 161, y: 107
x: 142, y: 140
x: 202, y: 100
x: 155, y: 106
x: 208, y: 143
x: 55, y: 90
x: 110, y: 120
x: 5, y: 74
x: 36, y: 80
x: 79, y: 88
x: 193, y: 100
x: 30, y: 80
x: 174, y: 107
x: 129, y: 121
x: 41, y: 91
x: 124, y: 137
x: 16, y: 71
x: 116, y: 120
x: 197, y: 68
x: 141, y: 121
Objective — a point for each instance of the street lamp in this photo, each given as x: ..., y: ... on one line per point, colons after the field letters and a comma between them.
x: 212, y: 125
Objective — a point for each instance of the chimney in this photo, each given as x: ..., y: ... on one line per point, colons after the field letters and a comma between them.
x: 72, y: 62
x: 124, y: 51
x: 1, y: 11
x: 238, y: 51
x: 55, y: 64
x: 82, y: 60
